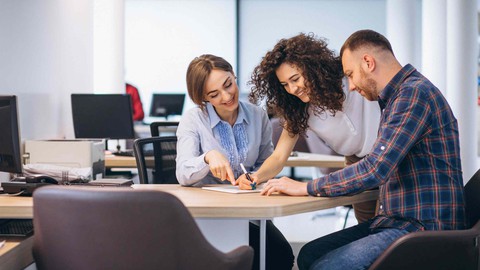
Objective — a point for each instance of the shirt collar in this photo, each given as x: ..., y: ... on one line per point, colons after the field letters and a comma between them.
x: 394, y: 85
x: 215, y: 119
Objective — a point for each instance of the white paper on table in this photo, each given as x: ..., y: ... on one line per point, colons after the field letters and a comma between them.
x: 231, y: 189
x: 57, y: 172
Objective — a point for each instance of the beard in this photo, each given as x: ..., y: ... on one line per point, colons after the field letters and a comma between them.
x: 369, y: 88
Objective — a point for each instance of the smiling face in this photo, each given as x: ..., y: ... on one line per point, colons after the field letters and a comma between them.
x: 293, y: 82
x: 358, y: 78
x: 221, y: 91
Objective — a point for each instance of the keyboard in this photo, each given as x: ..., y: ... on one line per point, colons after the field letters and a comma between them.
x: 128, y: 153
x: 16, y: 227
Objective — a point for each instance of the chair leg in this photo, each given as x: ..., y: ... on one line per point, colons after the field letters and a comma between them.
x: 346, y: 217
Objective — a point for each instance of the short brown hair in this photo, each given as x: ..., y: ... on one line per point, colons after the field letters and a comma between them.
x: 198, y: 72
x: 366, y: 37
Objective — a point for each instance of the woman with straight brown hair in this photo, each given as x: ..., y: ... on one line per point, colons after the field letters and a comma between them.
x: 220, y: 134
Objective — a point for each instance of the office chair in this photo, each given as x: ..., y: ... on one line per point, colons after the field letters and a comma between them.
x: 122, y: 228
x: 168, y: 127
x: 454, y: 249
x: 155, y: 158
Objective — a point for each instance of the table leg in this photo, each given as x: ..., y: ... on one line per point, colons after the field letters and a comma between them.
x: 263, y: 232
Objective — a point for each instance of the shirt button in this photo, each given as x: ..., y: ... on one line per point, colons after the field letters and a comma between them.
x: 382, y: 148
x: 381, y: 206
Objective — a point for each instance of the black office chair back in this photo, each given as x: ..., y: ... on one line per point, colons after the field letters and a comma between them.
x: 472, y: 198
x: 155, y: 158
x: 169, y: 128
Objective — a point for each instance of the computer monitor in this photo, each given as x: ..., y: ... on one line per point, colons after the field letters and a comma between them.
x: 10, y: 156
x: 164, y: 105
x: 102, y: 116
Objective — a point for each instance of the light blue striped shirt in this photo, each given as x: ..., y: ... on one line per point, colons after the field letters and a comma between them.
x: 200, y: 132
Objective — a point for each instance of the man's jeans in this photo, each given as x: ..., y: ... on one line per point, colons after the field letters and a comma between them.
x: 356, y: 247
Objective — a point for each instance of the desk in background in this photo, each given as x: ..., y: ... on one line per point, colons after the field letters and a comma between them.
x: 17, y: 252
x: 208, y: 208
x: 302, y: 160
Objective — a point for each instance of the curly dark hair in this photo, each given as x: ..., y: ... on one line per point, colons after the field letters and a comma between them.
x: 321, y: 70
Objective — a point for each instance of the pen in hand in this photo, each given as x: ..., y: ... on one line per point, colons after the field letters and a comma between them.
x: 252, y: 184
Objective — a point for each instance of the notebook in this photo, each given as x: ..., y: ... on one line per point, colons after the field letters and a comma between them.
x: 231, y: 189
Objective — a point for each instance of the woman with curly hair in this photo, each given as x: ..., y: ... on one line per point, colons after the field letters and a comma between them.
x: 301, y: 81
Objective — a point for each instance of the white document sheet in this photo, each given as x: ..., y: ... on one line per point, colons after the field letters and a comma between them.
x: 231, y: 189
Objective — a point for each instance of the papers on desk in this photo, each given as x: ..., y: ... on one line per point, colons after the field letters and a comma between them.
x: 231, y: 189
x: 58, y: 172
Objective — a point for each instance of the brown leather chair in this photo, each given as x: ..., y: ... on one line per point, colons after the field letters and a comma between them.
x: 122, y: 228
x: 455, y: 249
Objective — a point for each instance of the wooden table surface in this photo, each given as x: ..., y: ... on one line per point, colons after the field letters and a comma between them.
x: 205, y: 203
x: 214, y: 204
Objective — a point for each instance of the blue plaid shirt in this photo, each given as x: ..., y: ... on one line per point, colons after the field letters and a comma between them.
x: 415, y: 160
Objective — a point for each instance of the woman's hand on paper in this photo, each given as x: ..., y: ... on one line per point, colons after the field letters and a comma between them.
x: 285, y: 185
x: 220, y: 166
x: 244, y: 183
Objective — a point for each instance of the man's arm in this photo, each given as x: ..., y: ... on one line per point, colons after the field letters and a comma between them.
x: 405, y: 122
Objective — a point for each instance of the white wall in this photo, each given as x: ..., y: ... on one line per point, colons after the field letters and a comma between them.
x: 46, y: 53
x: 108, y: 44
x: 162, y: 37
x: 264, y: 22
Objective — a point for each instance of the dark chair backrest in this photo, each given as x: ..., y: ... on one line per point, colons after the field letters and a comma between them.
x: 157, y: 128
x: 122, y: 228
x: 448, y: 249
x: 155, y: 158
x: 472, y: 198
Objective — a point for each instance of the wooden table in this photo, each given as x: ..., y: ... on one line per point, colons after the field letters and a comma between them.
x: 217, y: 212
x: 16, y: 207
x: 212, y: 210
x: 302, y: 160
x: 17, y: 252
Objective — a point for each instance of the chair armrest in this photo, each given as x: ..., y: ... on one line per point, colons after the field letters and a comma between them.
x: 241, y: 257
x: 455, y: 249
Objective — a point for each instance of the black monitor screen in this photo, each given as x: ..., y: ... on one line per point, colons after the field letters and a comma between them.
x: 10, y: 156
x: 105, y: 116
x: 167, y: 104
